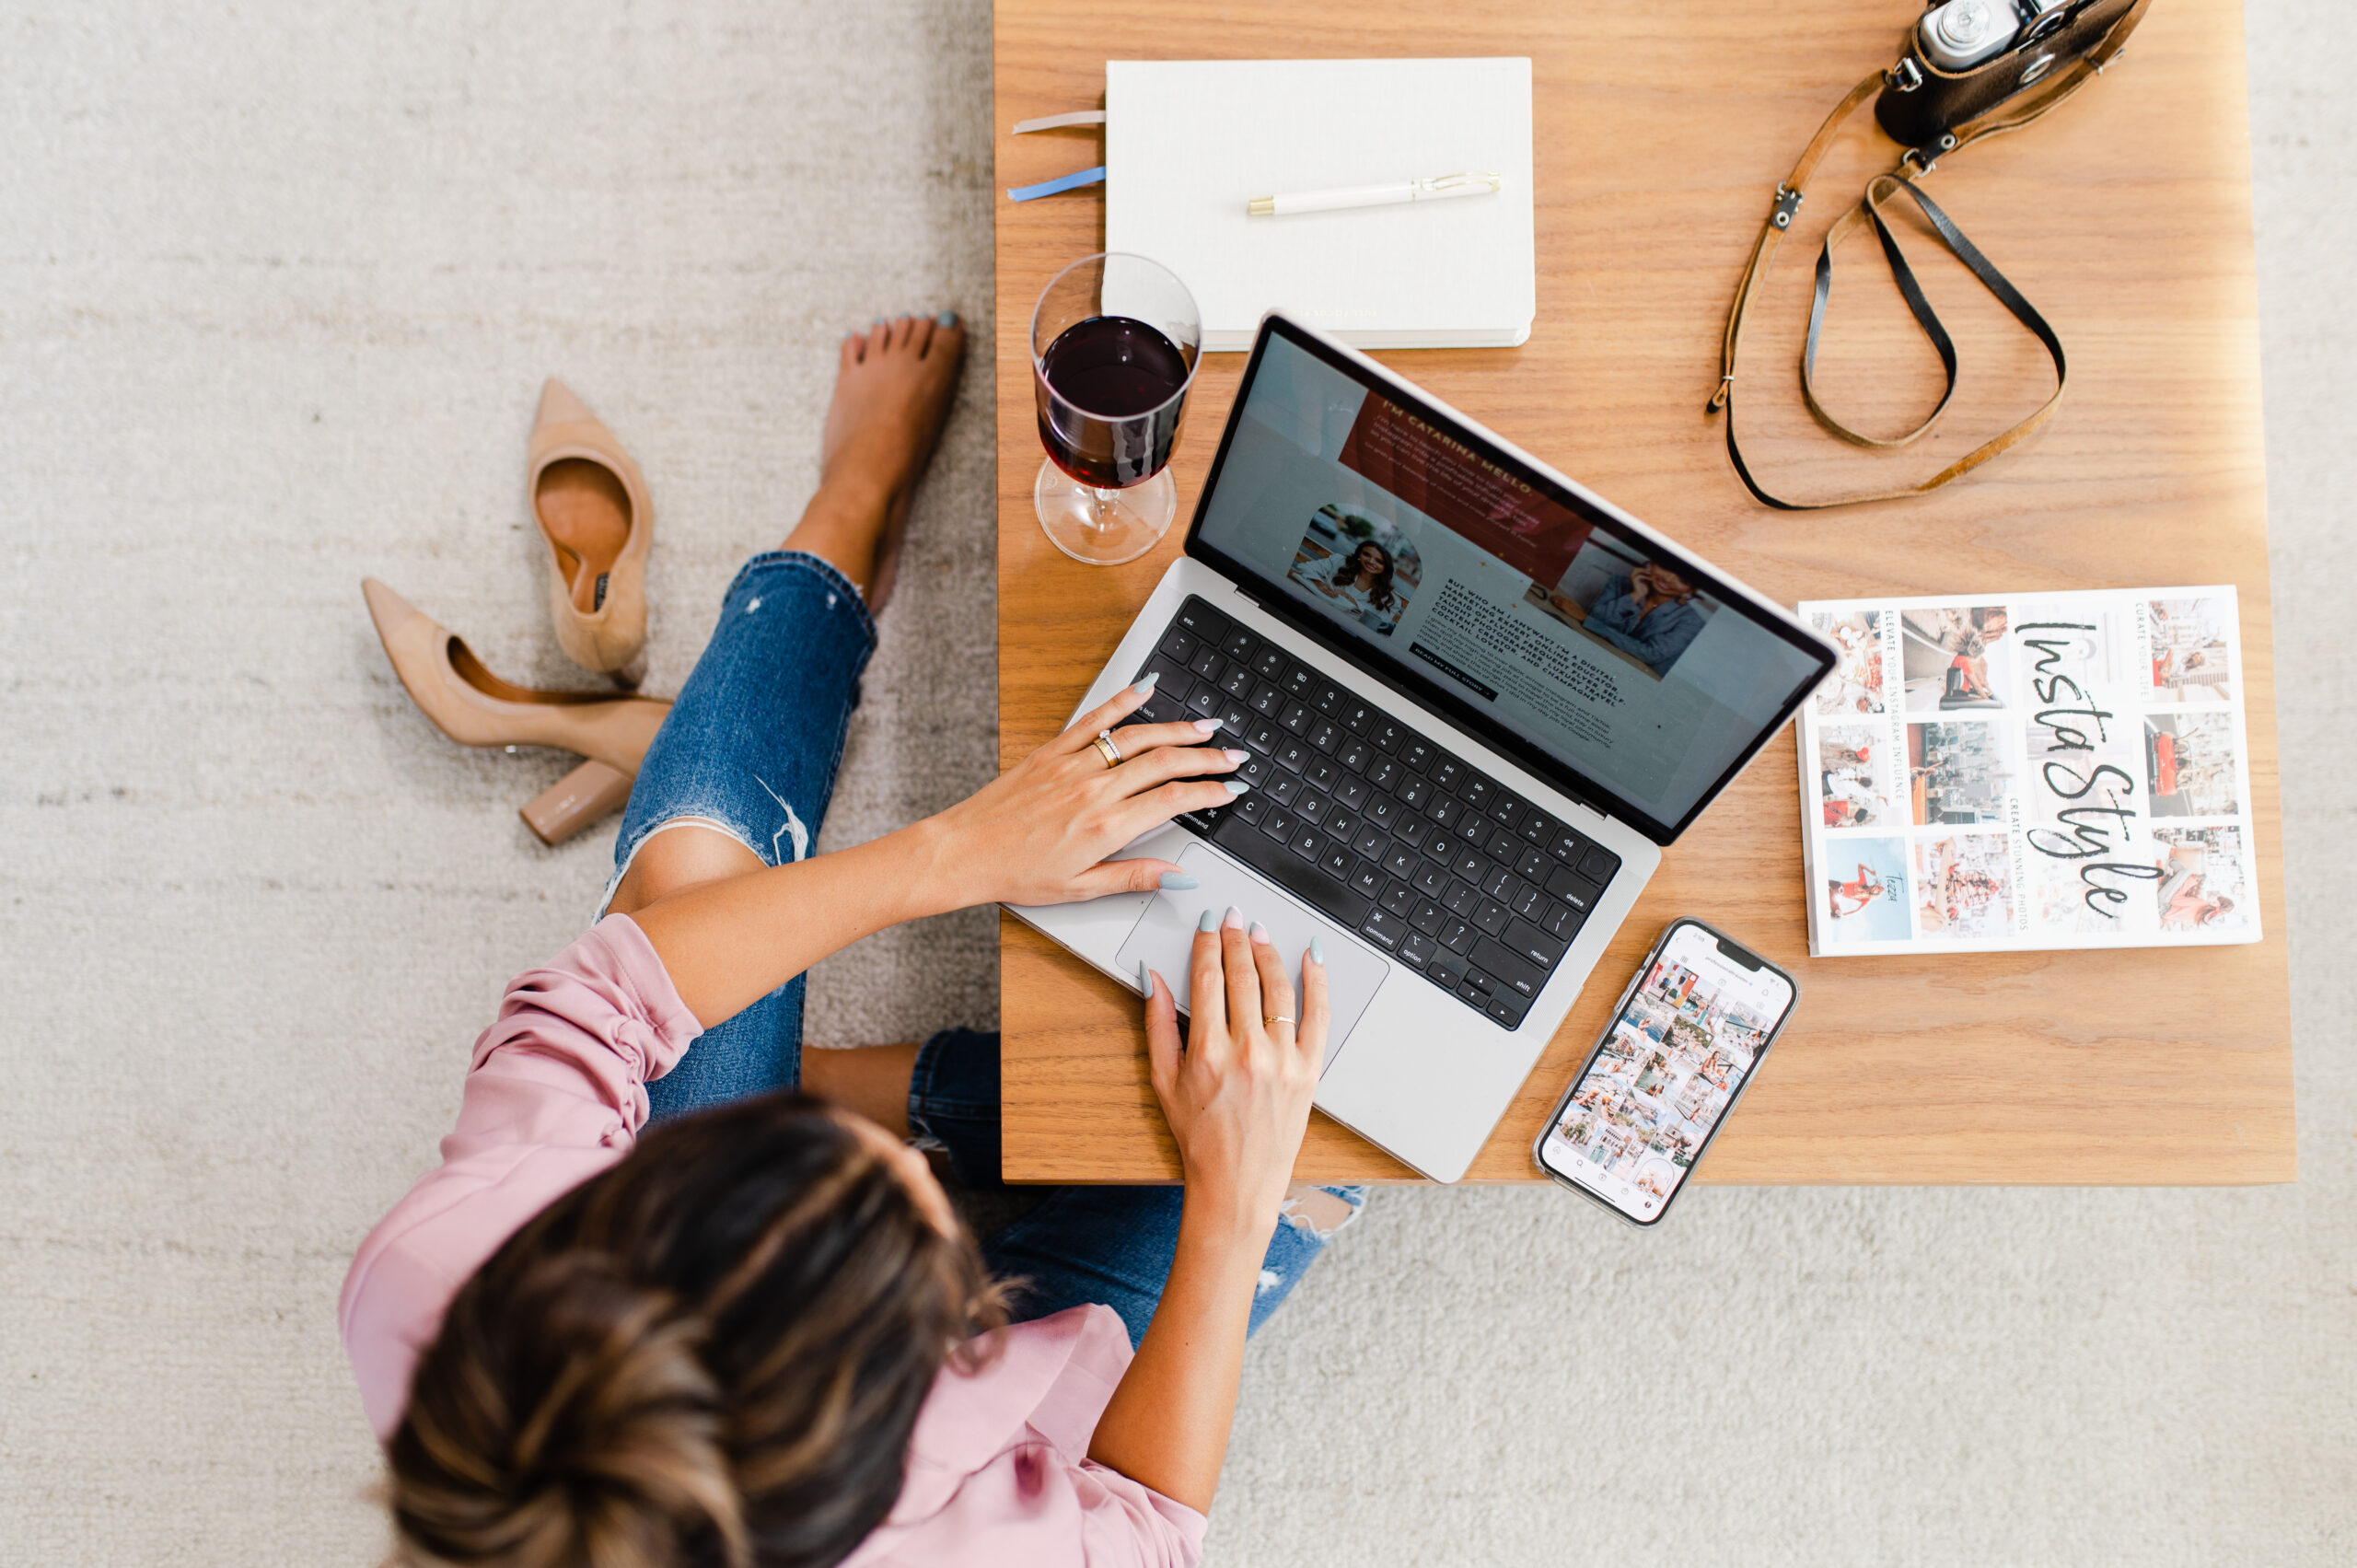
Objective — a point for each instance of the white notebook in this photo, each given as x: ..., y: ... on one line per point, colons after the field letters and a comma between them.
x: 1187, y: 144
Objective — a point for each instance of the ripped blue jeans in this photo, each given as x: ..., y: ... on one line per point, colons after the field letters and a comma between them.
x: 751, y: 750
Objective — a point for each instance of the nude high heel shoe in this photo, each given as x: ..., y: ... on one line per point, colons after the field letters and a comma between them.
x: 591, y: 503
x: 472, y: 706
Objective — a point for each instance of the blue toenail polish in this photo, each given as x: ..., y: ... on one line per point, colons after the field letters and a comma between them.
x: 946, y: 319
x: 1178, y: 881
x: 1209, y: 923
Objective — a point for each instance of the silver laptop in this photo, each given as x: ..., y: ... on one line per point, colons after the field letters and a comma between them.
x: 1478, y: 700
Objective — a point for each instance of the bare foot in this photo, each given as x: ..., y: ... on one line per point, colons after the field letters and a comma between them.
x: 892, y: 390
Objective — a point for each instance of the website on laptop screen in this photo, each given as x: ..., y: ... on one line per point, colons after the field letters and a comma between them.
x: 1568, y: 631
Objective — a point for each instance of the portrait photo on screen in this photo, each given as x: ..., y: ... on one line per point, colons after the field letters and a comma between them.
x: 1612, y: 594
x: 1359, y: 567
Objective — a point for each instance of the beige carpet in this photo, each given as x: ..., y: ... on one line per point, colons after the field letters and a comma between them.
x: 278, y: 283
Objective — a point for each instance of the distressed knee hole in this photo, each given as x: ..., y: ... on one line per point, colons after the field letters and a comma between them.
x: 1270, y: 1280
x: 1317, y: 1211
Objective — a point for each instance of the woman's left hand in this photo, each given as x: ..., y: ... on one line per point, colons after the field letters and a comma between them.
x: 1040, y: 834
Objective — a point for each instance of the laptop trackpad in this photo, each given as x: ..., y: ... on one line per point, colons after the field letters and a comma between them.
x: 1165, y: 937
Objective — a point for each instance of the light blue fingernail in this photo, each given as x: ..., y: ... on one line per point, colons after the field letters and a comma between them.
x: 1318, y: 949
x: 1178, y: 881
x: 1209, y: 922
x: 946, y: 319
x: 1259, y: 933
x: 1236, y: 786
x: 1145, y: 981
x: 1147, y: 681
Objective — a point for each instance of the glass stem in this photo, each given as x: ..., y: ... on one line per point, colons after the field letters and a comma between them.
x: 1101, y: 505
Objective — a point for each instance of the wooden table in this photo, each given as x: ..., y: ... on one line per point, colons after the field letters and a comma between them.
x: 1661, y: 130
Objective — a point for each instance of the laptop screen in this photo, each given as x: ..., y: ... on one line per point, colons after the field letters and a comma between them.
x: 1520, y: 608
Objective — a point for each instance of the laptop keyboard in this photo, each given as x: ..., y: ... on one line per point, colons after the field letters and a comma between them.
x: 1376, y: 828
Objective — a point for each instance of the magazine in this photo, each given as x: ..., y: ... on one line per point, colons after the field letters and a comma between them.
x: 2021, y: 770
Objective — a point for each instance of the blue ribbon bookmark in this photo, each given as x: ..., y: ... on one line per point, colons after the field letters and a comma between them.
x: 1052, y: 187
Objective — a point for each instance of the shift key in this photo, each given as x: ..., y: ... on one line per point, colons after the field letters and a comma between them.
x: 1510, y: 970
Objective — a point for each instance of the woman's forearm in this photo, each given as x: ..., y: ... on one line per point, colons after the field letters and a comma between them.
x: 729, y: 943
x: 1166, y: 1425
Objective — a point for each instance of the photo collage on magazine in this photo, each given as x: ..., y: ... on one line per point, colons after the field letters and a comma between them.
x: 2050, y: 771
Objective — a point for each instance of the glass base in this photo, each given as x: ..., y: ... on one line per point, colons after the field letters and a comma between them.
x: 1103, y: 528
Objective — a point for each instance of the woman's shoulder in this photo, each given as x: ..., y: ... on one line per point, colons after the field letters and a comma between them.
x: 998, y: 1468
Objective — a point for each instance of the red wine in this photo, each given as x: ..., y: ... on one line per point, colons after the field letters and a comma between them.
x: 1118, y: 380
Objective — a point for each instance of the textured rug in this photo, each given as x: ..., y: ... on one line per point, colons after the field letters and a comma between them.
x: 278, y: 285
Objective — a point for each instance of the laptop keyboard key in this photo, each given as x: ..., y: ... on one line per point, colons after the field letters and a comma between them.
x: 1233, y: 717
x: 1599, y: 864
x: 1312, y: 806
x: 1431, y: 879
x: 1291, y: 756
x: 1490, y: 916
x: 1512, y: 971
x: 1416, y: 756
x: 1266, y: 700
x: 1322, y: 774
x: 1446, y: 811
x: 1397, y: 897
x: 1526, y: 900
x: 1207, y: 664
x: 1533, y: 866
x: 1507, y: 1009
x: 1355, y: 716
x: 1206, y: 699
x: 1447, y: 971
x: 1502, y: 884
x: 1383, y: 773
x: 1355, y: 756
x: 1414, y: 830
x: 1417, y: 950
x: 1563, y: 920
x: 1326, y: 735
x: 1269, y: 664
x: 1282, y: 787
x: 1263, y: 737
x: 1457, y: 937
x: 1281, y: 825
x: 1298, y: 681
x: 1202, y: 620
x: 1401, y: 861
x: 1236, y: 681
x: 1504, y: 809
x: 1415, y: 793
x: 1240, y: 645
x: 1178, y: 646
x: 1351, y: 791
x: 1252, y: 806
x: 1368, y: 878
x: 1385, y: 928
x: 1295, y: 718
x: 1427, y: 917
x: 1337, y: 862
x: 1539, y: 828
x: 1309, y: 843
x: 1567, y: 847
x: 1386, y: 736
x: 1504, y: 847
x: 1460, y: 898
x: 1371, y: 842
x: 1573, y: 889
x: 1533, y: 944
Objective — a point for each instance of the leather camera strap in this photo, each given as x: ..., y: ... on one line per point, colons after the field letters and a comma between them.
x: 1913, y: 166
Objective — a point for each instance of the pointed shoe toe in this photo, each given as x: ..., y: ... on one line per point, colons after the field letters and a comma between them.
x: 591, y: 504
x: 474, y: 707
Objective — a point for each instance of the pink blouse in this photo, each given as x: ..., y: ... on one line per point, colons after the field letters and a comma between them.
x: 998, y: 1471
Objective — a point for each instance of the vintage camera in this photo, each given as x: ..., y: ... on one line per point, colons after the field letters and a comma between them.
x: 1965, y: 57
x: 1959, y: 34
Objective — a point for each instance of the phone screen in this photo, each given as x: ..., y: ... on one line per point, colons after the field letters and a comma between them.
x: 1673, y: 1061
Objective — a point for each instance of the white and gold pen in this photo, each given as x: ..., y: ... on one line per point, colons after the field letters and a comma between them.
x: 1375, y: 195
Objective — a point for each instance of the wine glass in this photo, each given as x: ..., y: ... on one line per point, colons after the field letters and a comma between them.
x: 1114, y: 345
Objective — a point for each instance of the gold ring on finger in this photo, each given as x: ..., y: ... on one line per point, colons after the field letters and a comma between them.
x: 1275, y: 1018
x: 1107, y: 750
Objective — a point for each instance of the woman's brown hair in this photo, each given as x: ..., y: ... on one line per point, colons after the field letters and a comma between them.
x: 712, y: 1353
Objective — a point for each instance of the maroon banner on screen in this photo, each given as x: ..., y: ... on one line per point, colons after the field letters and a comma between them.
x: 1470, y: 495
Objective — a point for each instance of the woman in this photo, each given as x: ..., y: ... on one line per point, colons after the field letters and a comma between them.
x: 759, y: 1336
x: 1364, y: 583
x: 1859, y: 890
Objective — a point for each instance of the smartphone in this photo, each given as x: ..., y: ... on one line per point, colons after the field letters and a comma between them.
x: 1686, y: 1040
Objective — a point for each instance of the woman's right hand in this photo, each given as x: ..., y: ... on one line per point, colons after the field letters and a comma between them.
x: 1039, y: 833
x: 1237, y: 1094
